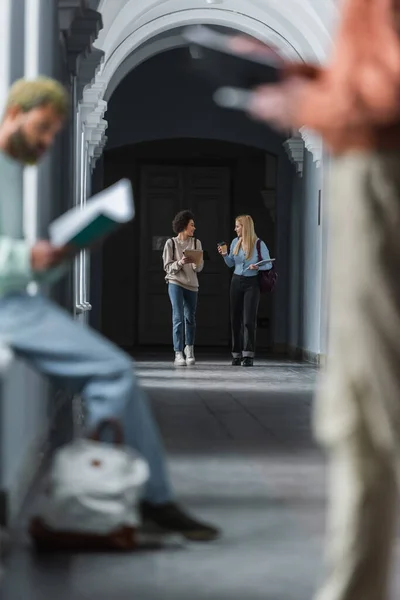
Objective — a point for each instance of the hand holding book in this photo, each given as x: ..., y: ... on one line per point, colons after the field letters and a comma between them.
x: 261, y: 263
x: 45, y: 256
x: 85, y: 226
x: 194, y: 256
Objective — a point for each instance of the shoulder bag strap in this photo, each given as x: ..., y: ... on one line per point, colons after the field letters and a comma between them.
x: 259, y: 250
x: 173, y: 248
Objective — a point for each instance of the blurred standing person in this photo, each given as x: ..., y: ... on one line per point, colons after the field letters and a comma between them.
x: 183, y: 286
x: 245, y: 288
x: 354, y: 104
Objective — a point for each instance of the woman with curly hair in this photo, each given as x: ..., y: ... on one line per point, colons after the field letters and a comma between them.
x: 183, y: 286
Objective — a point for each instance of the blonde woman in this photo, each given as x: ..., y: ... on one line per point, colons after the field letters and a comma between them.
x: 245, y: 288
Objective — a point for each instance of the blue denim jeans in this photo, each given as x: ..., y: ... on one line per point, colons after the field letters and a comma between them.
x: 80, y: 359
x: 184, y: 305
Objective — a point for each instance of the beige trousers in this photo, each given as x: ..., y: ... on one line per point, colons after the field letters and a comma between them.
x: 358, y: 409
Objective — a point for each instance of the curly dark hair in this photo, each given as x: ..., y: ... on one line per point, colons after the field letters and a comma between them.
x: 182, y: 220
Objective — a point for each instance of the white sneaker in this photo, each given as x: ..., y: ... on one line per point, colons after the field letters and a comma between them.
x: 179, y: 360
x: 189, y: 353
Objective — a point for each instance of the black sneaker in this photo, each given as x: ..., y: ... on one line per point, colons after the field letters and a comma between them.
x: 236, y: 362
x: 247, y: 362
x: 171, y: 518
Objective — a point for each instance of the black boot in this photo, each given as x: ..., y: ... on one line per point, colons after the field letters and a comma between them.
x: 247, y: 362
x: 172, y: 519
x: 236, y: 362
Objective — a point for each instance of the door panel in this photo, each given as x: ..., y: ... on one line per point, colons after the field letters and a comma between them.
x: 160, y: 200
x: 165, y: 191
x: 208, y: 195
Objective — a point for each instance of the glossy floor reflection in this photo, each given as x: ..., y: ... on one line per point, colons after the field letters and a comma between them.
x: 242, y: 456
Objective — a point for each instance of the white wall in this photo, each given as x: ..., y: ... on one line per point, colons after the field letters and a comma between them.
x: 5, y: 35
x: 295, y: 333
x: 325, y: 279
x: 312, y: 239
x: 307, y: 261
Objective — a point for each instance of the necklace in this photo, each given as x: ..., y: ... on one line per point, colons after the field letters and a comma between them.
x: 184, y: 244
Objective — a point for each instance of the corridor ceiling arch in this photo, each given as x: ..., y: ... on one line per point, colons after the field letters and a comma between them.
x: 169, y: 40
x: 135, y: 30
x: 301, y: 30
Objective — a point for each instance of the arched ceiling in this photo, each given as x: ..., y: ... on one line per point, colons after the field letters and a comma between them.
x: 135, y: 30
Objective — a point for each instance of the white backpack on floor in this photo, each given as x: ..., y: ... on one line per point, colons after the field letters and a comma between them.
x: 93, y: 490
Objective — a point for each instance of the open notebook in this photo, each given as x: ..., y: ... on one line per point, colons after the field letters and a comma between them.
x: 261, y: 263
x: 102, y: 214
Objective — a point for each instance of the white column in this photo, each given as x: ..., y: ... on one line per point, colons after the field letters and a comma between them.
x: 31, y: 174
x: 79, y: 201
x: 90, y: 138
x: 82, y: 305
x: 32, y: 45
x: 5, y: 43
x: 325, y: 275
x: 314, y: 144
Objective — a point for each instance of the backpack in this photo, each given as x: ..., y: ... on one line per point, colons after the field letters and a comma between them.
x: 173, y: 247
x: 267, y: 279
x: 91, y: 496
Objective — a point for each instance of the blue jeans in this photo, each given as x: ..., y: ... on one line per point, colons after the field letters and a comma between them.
x: 83, y: 361
x: 184, y: 304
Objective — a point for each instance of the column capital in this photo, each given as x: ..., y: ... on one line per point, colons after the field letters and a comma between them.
x: 294, y: 147
x: 80, y: 25
x: 67, y: 10
x: 96, y: 138
x: 91, y: 110
x: 313, y: 143
x: 99, y: 149
x: 87, y: 67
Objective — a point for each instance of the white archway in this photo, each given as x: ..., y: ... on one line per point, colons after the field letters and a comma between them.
x: 146, y: 51
x: 273, y: 21
x: 305, y: 25
x: 136, y: 30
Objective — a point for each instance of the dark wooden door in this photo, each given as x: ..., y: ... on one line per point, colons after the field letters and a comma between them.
x: 164, y: 191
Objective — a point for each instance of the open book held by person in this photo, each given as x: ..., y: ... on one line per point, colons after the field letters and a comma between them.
x: 103, y: 213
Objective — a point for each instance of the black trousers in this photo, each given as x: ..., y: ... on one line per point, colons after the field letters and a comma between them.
x: 245, y: 297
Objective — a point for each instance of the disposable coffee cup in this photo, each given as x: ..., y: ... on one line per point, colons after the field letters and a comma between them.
x: 224, y: 247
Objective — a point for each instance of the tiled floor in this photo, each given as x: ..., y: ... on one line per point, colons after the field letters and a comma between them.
x: 242, y: 456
